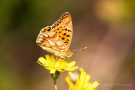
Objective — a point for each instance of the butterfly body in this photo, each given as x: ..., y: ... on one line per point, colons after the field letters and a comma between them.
x: 57, y: 38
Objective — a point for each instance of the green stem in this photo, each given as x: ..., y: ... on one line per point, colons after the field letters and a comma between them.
x: 55, y: 76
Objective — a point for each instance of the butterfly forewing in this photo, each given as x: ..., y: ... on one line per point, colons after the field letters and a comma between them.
x: 64, y: 29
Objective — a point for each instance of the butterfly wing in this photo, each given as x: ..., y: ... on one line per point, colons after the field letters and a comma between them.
x: 64, y: 29
x: 47, y: 39
x: 57, y: 38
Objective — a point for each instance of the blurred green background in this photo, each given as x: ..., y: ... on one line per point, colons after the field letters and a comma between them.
x: 106, y: 27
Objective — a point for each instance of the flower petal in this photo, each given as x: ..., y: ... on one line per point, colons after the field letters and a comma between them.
x: 53, y: 64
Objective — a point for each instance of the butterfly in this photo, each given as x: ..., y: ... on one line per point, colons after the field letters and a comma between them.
x: 57, y: 38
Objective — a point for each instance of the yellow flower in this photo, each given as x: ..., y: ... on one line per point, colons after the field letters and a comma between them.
x: 80, y: 81
x: 54, y: 64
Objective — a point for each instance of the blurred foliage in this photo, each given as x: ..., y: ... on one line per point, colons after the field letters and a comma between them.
x: 116, y: 11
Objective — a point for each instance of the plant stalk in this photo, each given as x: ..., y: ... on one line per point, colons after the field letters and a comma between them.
x: 55, y: 87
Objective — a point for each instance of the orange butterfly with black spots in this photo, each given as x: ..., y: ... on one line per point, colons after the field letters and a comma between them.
x: 57, y: 38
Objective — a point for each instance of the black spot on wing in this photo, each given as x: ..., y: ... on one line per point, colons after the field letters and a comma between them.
x: 68, y: 35
x: 59, y: 31
x: 66, y: 29
x: 63, y: 38
x: 64, y: 34
x: 69, y: 30
x: 66, y: 42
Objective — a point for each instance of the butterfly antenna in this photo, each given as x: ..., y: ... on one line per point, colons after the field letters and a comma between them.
x: 81, y: 49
